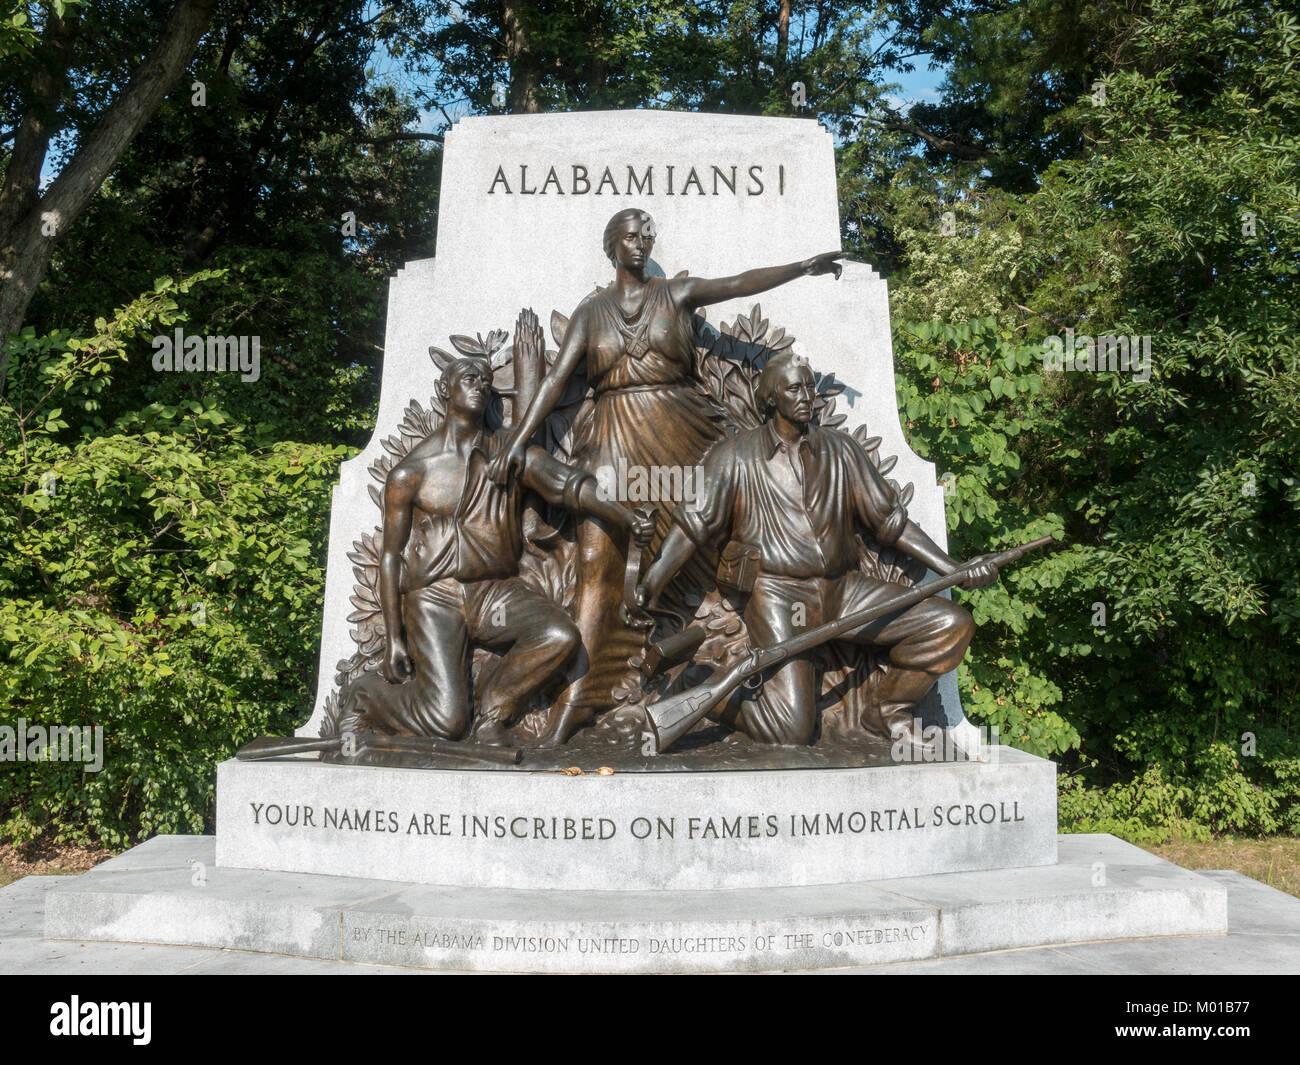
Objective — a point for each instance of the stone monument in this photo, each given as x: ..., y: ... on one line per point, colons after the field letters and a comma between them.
x: 641, y: 634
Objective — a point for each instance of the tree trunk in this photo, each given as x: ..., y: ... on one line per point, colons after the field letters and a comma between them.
x: 21, y: 187
x: 524, y: 76
x: 782, y: 33
x: 31, y: 227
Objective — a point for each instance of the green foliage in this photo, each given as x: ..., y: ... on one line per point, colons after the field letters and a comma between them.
x: 160, y: 577
x: 707, y: 55
x: 137, y: 503
x: 971, y: 391
x: 1165, y: 634
x: 1218, y: 797
x: 293, y: 177
x: 1010, y: 70
x: 16, y: 34
x: 1146, y: 809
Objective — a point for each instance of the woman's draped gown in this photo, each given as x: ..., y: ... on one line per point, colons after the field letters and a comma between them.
x: 650, y: 412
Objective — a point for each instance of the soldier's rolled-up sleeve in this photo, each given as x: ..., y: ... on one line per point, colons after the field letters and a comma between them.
x: 707, y: 518
x: 874, y: 501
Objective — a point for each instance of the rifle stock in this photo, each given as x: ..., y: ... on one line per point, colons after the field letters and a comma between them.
x: 670, y: 719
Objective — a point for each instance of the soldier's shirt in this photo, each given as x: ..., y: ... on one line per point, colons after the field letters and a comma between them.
x: 484, y: 537
x: 798, y: 505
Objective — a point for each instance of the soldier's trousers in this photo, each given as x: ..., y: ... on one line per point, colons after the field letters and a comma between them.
x: 443, y: 621
x: 924, y: 642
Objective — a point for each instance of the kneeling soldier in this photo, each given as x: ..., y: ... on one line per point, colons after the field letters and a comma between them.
x: 788, y: 494
x: 448, y: 576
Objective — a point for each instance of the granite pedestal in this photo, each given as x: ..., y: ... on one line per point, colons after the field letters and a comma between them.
x: 638, y: 831
x: 168, y: 891
x: 635, y: 873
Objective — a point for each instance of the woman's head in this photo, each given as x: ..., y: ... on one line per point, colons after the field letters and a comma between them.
x: 630, y: 220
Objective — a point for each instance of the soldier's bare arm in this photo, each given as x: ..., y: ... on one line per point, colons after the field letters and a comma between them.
x: 673, y: 555
x: 511, y: 458
x: 881, y: 511
x: 617, y: 515
x: 399, y: 500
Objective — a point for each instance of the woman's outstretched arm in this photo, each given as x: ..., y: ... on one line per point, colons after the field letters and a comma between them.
x: 701, y: 291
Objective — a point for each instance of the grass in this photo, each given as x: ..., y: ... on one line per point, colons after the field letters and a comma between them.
x: 1274, y: 861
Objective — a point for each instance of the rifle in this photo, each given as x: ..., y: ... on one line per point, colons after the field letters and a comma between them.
x: 670, y: 719
x: 281, y: 746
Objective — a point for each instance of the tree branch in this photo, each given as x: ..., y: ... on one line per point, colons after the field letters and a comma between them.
x: 389, y: 138
x: 894, y: 121
x: 21, y: 186
x: 78, y: 182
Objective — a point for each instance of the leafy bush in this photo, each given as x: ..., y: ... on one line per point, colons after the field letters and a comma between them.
x: 161, y: 577
x: 1158, y: 651
x: 1218, y: 797
x: 1146, y: 809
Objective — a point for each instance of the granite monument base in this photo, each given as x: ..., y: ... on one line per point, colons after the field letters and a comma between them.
x: 545, y: 831
x: 167, y: 891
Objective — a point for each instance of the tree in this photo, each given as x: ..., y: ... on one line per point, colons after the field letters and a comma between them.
x: 293, y: 178
x: 1011, y: 68
x: 160, y: 578
x: 1162, y: 642
x: 31, y: 220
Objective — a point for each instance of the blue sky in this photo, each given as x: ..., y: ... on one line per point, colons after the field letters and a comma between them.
x: 917, y: 86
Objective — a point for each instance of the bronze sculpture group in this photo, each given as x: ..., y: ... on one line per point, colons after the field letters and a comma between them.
x: 504, y: 601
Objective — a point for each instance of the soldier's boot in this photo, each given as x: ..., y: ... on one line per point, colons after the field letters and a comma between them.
x: 491, y: 728
x: 898, y: 695
x: 566, y: 719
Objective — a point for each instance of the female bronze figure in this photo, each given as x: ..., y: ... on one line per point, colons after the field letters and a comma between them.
x: 634, y: 339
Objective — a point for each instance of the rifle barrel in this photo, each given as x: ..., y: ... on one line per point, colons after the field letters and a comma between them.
x: 459, y: 749
x: 831, y: 629
x: 671, y: 718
